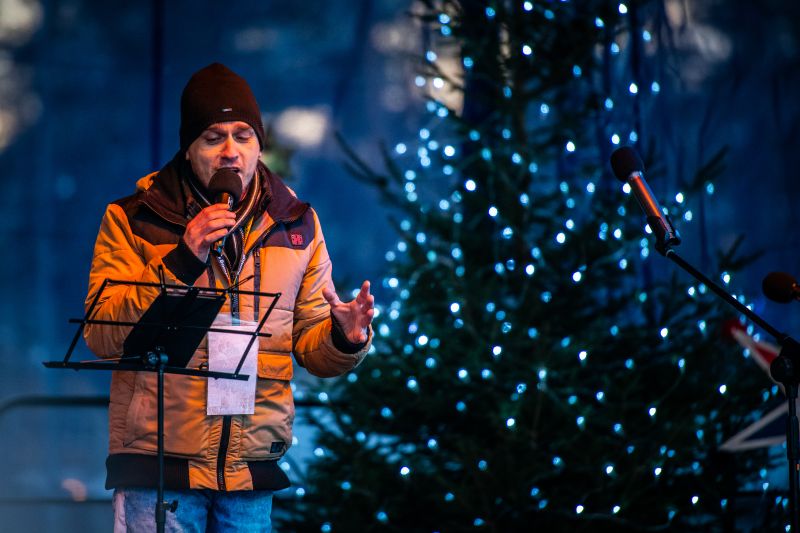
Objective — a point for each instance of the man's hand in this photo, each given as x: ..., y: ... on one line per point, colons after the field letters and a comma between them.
x: 209, y: 226
x: 355, y: 316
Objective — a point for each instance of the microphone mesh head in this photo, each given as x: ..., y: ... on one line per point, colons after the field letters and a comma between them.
x: 778, y: 287
x: 624, y: 162
x: 225, y: 180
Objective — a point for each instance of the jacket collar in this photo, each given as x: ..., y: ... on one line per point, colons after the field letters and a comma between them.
x: 281, y: 204
x: 164, y: 193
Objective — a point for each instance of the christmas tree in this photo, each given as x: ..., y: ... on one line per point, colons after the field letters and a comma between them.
x: 538, y: 366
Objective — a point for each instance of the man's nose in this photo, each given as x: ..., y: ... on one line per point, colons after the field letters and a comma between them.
x: 229, y: 148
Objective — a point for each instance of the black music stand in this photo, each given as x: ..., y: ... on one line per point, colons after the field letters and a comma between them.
x: 163, y: 341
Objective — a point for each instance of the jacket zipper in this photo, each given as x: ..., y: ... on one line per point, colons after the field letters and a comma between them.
x: 223, y: 451
x: 225, y: 437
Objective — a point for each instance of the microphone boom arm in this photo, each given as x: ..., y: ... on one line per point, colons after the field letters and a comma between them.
x: 784, y: 369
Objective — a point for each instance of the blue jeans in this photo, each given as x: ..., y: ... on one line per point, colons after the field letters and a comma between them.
x: 199, y: 511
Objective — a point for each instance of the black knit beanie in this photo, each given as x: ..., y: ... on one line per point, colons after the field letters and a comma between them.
x: 217, y: 94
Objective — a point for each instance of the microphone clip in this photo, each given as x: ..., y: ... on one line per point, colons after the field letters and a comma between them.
x: 666, y: 234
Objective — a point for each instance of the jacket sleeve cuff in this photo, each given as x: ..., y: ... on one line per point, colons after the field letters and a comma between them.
x: 184, y: 264
x: 340, y: 340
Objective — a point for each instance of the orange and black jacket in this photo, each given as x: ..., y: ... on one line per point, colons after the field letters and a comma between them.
x: 285, y: 252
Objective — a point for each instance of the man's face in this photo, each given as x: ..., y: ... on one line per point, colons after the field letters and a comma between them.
x: 225, y: 145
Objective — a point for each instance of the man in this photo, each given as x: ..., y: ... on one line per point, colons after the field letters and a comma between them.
x: 221, y: 469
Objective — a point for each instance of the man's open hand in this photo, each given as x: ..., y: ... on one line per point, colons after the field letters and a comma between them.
x: 354, y: 316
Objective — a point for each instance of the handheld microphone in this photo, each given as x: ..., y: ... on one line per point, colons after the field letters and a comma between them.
x: 225, y: 187
x: 780, y: 287
x: 628, y: 168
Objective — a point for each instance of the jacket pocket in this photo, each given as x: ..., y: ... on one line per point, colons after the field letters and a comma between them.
x: 267, y: 433
x: 275, y: 366
x: 186, y: 426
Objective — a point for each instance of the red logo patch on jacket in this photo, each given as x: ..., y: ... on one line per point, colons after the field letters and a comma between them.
x: 297, y: 239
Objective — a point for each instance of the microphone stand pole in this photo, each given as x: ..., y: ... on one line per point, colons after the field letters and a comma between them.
x: 785, y: 369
